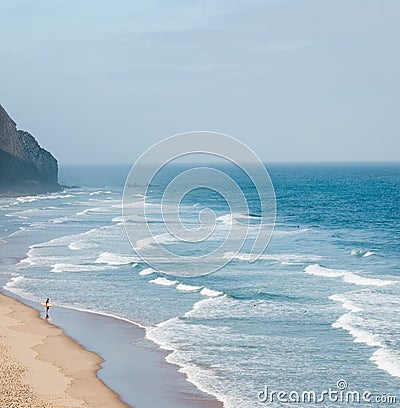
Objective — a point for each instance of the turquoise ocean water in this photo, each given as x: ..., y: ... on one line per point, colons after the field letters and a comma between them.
x: 321, y: 305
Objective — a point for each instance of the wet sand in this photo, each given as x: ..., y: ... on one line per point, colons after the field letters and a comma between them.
x: 41, y: 366
x: 50, y: 369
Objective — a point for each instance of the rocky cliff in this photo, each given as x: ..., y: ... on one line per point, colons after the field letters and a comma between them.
x: 25, y: 167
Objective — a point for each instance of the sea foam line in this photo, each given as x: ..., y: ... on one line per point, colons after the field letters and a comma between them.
x: 188, y: 288
x: 67, y: 267
x: 147, y: 271
x: 347, y: 276
x: 386, y: 361
x: 285, y: 259
x: 164, y: 335
x: 362, y: 253
x: 113, y: 259
x: 181, y: 286
x: 164, y: 282
x: 14, y: 281
x: 210, y: 292
x: 31, y: 199
x: 383, y: 358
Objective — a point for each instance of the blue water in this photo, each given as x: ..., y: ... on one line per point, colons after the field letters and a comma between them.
x: 321, y: 304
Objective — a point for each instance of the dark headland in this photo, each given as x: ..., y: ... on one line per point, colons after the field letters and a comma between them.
x: 25, y: 167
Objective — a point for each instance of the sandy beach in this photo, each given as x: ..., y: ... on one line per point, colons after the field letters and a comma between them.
x: 42, y: 367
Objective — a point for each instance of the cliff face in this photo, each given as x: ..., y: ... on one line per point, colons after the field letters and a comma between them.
x: 25, y: 167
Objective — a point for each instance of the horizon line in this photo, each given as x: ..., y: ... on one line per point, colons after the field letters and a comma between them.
x: 263, y: 161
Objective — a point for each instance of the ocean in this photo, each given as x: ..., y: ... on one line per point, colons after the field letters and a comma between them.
x: 318, y: 311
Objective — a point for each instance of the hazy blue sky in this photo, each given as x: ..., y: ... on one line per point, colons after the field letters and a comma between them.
x: 100, y: 81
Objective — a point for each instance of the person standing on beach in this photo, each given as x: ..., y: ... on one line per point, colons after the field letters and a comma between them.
x: 47, y: 307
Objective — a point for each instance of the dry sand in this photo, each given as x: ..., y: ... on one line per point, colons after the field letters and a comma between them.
x: 42, y: 367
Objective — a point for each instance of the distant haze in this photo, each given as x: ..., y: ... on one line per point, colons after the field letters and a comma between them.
x: 99, y: 81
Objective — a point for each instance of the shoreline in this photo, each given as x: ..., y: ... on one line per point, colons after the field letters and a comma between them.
x: 39, y: 351
x: 132, y: 363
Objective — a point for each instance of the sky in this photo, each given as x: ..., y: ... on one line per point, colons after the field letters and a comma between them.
x: 100, y: 81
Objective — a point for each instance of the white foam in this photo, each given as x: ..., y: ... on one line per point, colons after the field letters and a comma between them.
x: 84, y: 212
x: 28, y: 261
x: 346, y: 303
x: 31, y: 199
x: 188, y: 288
x: 226, y: 219
x: 14, y: 281
x: 143, y: 243
x: 14, y: 286
x: 347, y: 276
x: 66, y: 267
x: 349, y: 322
x: 362, y: 253
x: 360, y: 280
x: 81, y: 244
x: 319, y: 270
x: 163, y: 282
x: 147, y: 271
x: 230, y: 219
x: 27, y: 199
x: 16, y: 215
x: 387, y: 361
x: 175, y: 335
x: 210, y: 292
x: 210, y: 307
x: 100, y: 192
x: 61, y: 220
x: 32, y: 258
x: 110, y: 258
x: 285, y: 259
x: 92, y: 210
x: 54, y: 251
x: 20, y: 292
